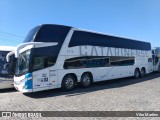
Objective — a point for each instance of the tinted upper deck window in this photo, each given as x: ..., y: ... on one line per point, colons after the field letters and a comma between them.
x: 31, y: 34
x: 52, y: 33
x: 47, y: 33
x: 87, y: 38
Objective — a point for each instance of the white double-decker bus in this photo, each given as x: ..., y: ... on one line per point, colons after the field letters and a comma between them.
x: 6, y: 68
x: 54, y: 56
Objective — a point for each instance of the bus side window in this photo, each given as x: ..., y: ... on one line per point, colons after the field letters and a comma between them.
x: 50, y: 61
x: 42, y: 62
x: 38, y: 63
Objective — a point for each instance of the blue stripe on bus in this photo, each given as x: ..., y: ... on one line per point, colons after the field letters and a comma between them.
x: 28, y: 75
x: 28, y: 83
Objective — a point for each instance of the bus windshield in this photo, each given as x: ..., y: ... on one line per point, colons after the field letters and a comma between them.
x: 6, y: 68
x: 22, y: 65
x: 3, y: 62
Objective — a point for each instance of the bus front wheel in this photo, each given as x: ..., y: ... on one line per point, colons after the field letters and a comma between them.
x: 68, y: 83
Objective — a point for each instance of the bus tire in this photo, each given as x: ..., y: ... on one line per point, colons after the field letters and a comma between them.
x: 159, y: 69
x: 68, y: 82
x: 143, y: 72
x: 86, y: 80
x: 136, y: 73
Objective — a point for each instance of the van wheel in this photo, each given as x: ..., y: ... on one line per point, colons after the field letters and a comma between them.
x: 136, y: 73
x: 68, y: 83
x: 143, y: 72
x: 86, y: 80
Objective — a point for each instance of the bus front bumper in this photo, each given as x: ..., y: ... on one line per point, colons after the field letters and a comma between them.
x: 22, y: 89
x: 23, y: 83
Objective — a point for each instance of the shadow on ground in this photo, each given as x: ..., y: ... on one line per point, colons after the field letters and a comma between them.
x: 95, y: 87
x: 7, y: 90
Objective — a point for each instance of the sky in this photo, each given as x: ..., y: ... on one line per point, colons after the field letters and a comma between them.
x: 134, y: 19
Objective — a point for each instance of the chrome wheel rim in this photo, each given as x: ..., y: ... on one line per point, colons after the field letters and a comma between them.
x: 69, y: 83
x: 86, y: 80
x: 137, y: 74
x: 142, y: 73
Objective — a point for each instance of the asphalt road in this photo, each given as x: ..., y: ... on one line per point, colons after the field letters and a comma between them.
x: 125, y: 94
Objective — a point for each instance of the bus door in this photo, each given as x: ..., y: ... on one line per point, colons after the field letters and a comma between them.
x: 41, y: 79
x: 40, y: 73
x: 53, y: 78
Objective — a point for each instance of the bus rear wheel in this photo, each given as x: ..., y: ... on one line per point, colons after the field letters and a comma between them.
x: 86, y: 80
x: 68, y: 83
x: 159, y: 69
x: 136, y: 73
x: 143, y: 72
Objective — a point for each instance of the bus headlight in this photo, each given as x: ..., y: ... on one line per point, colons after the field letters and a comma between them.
x: 20, y: 82
x: 23, y: 80
x: 23, y: 87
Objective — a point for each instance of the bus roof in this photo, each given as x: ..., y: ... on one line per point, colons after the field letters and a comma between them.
x: 95, y: 32
x: 106, y: 40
